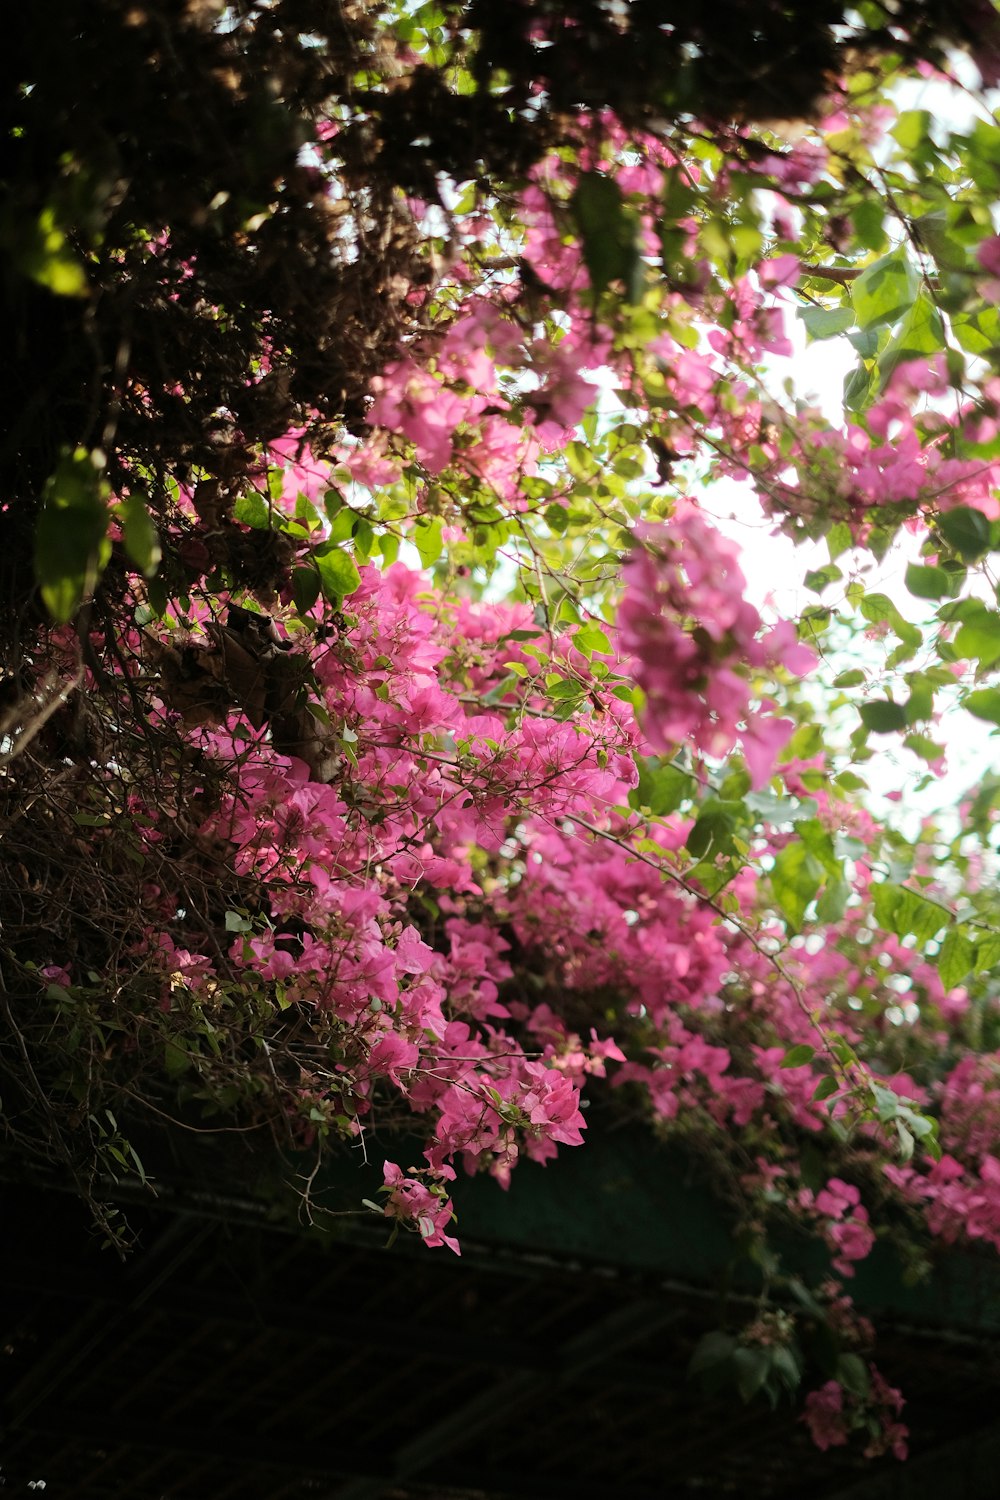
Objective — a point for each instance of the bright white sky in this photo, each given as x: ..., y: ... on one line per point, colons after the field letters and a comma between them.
x: 774, y: 568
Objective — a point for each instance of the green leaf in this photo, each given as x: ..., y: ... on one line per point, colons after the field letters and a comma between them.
x: 607, y: 231
x: 912, y: 128
x: 928, y: 583
x: 252, y: 510
x: 919, y: 916
x: 852, y: 1374
x: 663, y: 789
x: 858, y: 388
x: 306, y: 588
x: 427, y: 539
x: 591, y: 639
x: 902, y: 911
x: 43, y: 252
x: 713, y: 1349
x: 956, y: 957
x: 713, y: 829
x: 176, y: 1059
x: 71, y: 545
x: 806, y: 742
x: 820, y: 578
x: 841, y: 1049
x: 786, y: 1366
x: 340, y: 529
x: 798, y: 1057
x: 919, y: 706
x: 984, y: 703
x: 752, y: 1367
x: 967, y: 531
x: 565, y: 688
x: 887, y: 1103
x: 679, y: 195
x: 779, y: 809
x: 906, y: 1141
x: 826, y: 322
x: 869, y: 216
x: 364, y: 538
x: 869, y: 341
x: 882, y: 716
x: 839, y: 539
x: 987, y: 953
x: 142, y: 541
x: 979, y: 635
x: 557, y: 518
x: 921, y: 333
x: 795, y: 880
x: 818, y: 841
x: 885, y: 290
x: 977, y: 332
x: 833, y: 902
x: 338, y: 572
x: 826, y: 1086
x: 922, y: 745
x: 879, y: 609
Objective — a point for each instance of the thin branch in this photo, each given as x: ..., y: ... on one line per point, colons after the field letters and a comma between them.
x: 37, y: 723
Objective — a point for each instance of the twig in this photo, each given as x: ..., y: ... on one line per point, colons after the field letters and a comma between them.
x: 749, y: 936
x: 42, y: 716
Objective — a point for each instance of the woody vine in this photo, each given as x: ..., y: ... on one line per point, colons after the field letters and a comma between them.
x: 391, y: 749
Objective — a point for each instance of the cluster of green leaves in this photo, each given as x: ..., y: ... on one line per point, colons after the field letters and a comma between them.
x: 908, y: 284
x: 777, y: 1351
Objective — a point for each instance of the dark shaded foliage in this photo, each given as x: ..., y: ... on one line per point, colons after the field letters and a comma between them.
x: 167, y: 150
x: 205, y: 241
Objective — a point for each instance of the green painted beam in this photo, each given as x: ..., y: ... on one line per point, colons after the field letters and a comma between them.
x: 625, y: 1201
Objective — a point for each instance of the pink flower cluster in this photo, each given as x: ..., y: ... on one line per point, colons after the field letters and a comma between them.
x: 414, y: 1200
x: 832, y: 1413
x: 463, y: 909
x: 695, y: 640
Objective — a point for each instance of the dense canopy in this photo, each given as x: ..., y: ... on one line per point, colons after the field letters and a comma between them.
x: 394, y: 747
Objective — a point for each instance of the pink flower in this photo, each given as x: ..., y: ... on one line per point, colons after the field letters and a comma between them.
x: 988, y: 254
x: 837, y: 1198
x: 854, y: 1240
x: 694, y: 675
x: 825, y: 1418
x: 762, y: 739
x: 391, y: 1053
x: 783, y: 270
x: 412, y: 402
x: 425, y: 1208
